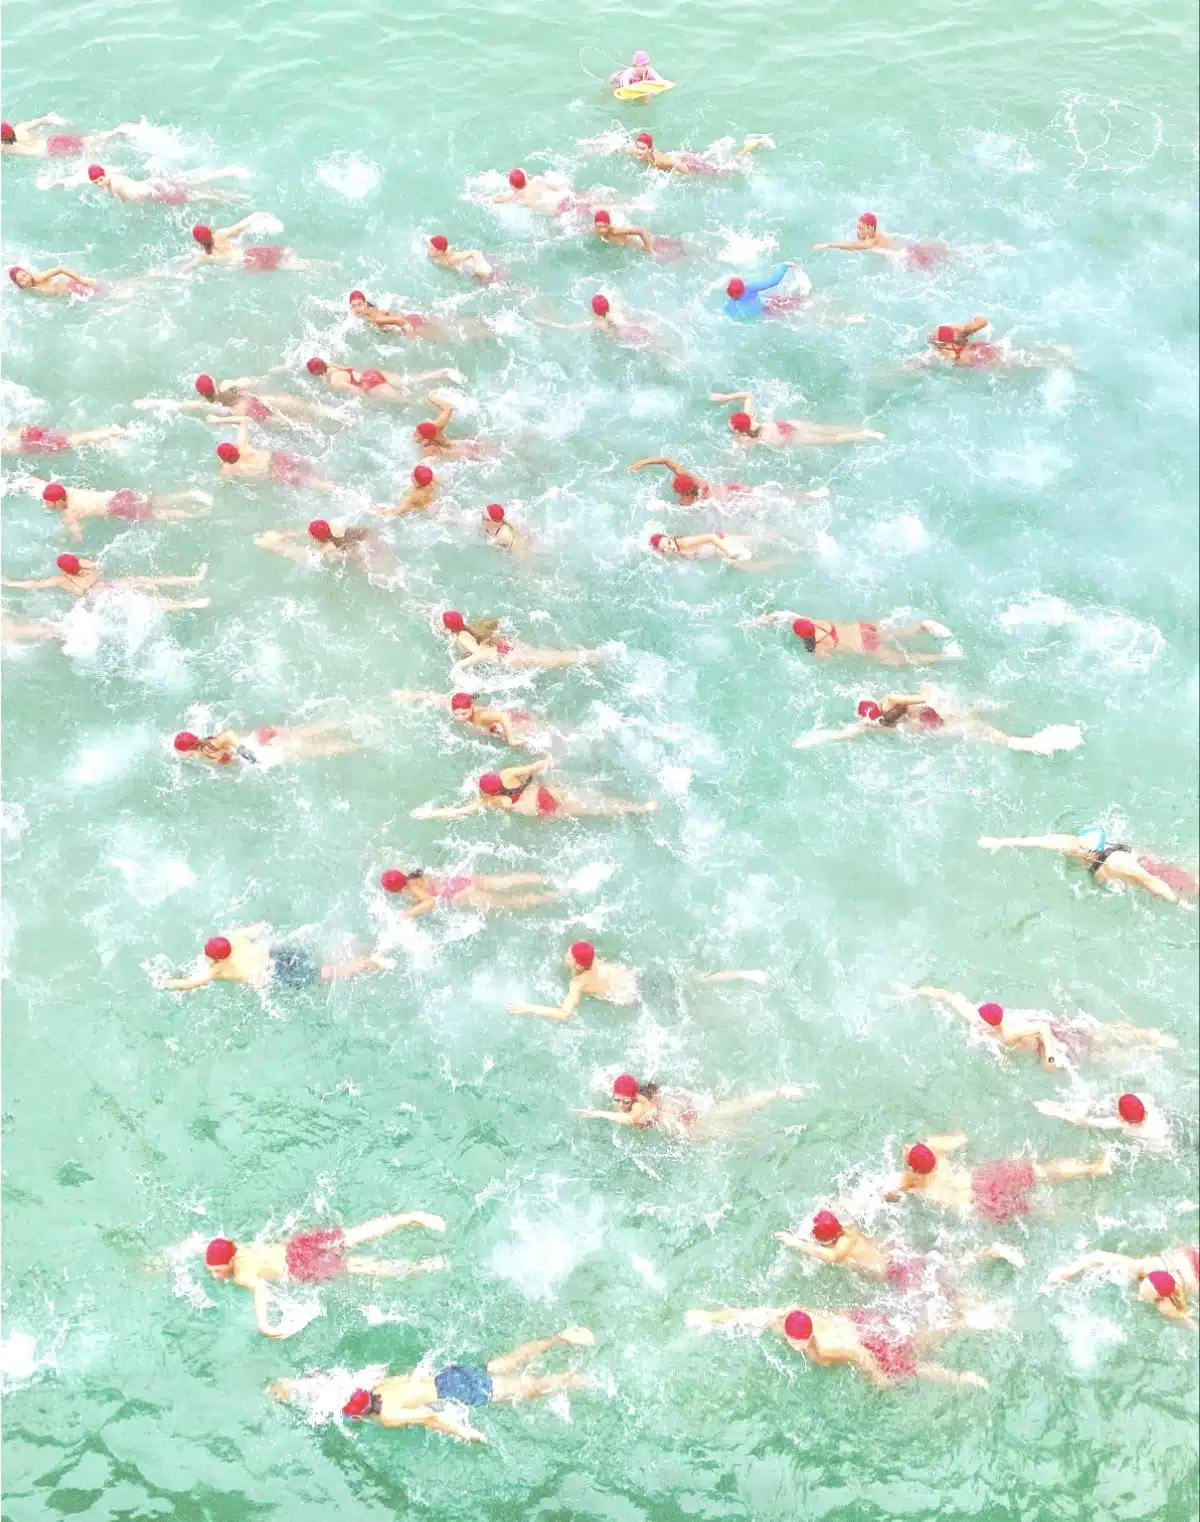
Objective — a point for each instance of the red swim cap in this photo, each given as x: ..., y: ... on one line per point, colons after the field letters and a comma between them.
x: 13, y: 271
x: 826, y: 1227
x: 945, y: 334
x: 393, y: 880
x: 439, y: 242
x: 1131, y: 1108
x: 798, y: 1326
x: 625, y: 1086
x: 992, y: 1014
x: 741, y: 422
x: 229, y: 453
x: 358, y: 1404
x: 516, y: 178
x: 320, y: 530
x: 491, y: 783
x: 206, y: 386
x: 202, y: 233
x: 217, y: 948
x: 422, y: 476
x: 867, y: 707
x: 355, y: 296
x: 8, y: 132
x: 460, y: 701
x: 495, y: 512
x: 656, y: 540
x: 645, y: 139
x: 930, y: 718
x: 583, y: 954
x: 426, y: 430
x: 921, y: 1158
x: 1163, y: 1282
x: 68, y: 564
x: 54, y: 492
x: 869, y: 218
x: 683, y: 485
x: 219, y: 1252
x: 735, y: 288
x: 185, y: 740
x: 603, y: 218
x: 95, y: 172
x: 316, y: 366
x: 600, y: 306
x: 804, y: 628
x: 453, y: 620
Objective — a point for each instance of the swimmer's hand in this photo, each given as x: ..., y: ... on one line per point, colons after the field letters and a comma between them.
x: 989, y: 843
x: 904, y: 990
x: 579, y: 1335
x: 791, y: 1238
x: 423, y: 1218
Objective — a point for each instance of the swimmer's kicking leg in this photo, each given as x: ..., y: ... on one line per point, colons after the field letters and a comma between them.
x: 394, y: 1268
x: 384, y: 1225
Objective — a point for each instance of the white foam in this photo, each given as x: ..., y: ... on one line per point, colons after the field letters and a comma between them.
x: 544, y: 1250
x: 591, y: 877
x: 905, y: 535
x: 350, y: 175
x: 745, y: 249
x: 1086, y: 1336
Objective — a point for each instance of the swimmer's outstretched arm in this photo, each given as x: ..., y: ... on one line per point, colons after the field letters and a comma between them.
x: 782, y: 616
x: 617, y: 1117
x: 36, y: 585
x: 659, y: 459
x: 827, y: 736
x: 834, y: 1254
x: 529, y: 768
x: 238, y: 227
x: 1138, y: 874
x: 564, y: 327
x: 450, y: 811
x: 959, y: 1003
x: 1076, y: 1117
x: 562, y: 1011
x: 1067, y: 843
x: 181, y: 985
x: 850, y: 246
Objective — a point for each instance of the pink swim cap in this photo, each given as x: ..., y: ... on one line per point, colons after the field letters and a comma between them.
x: 206, y: 386
x: 453, y: 620
x: 516, y: 178
x: 358, y: 1404
x: 640, y: 59
x: 991, y: 1014
x: 645, y: 139
x: 741, y: 422
x: 868, y: 708
x: 219, y: 1252
x: 869, y: 218
x: 53, y: 492
x: 625, y: 1086
x: 393, y: 880
x: 1131, y: 1109
x: 826, y: 1227
x: 185, y: 740
x: 426, y: 430
x: 1163, y: 1283
x: 604, y: 218
x: 320, y: 530
x: 68, y: 564
x: 461, y: 701
x: 683, y: 485
x: 440, y: 242
x: 920, y: 1158
x: 491, y: 783
x: 735, y: 288
x: 945, y: 334
x: 316, y: 366
x: 494, y: 512
x: 95, y: 172
x: 355, y: 296
x: 656, y: 540
x: 217, y: 948
x: 8, y: 133
x: 798, y: 1326
x: 202, y: 232
x: 600, y: 306
x: 804, y: 628
x: 583, y: 954
x: 13, y: 271
x: 229, y: 453
x: 422, y: 476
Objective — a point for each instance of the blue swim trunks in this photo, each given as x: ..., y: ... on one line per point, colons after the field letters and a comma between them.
x: 468, y: 1383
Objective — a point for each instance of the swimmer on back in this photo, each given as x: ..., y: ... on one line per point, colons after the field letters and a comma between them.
x: 645, y: 1106
x: 1110, y: 864
x: 33, y: 439
x: 378, y: 385
x: 515, y: 789
x: 21, y: 139
x: 80, y: 577
x: 177, y: 191
x: 823, y: 638
x: 246, y: 955
x: 950, y: 344
x: 914, y: 713
x: 591, y: 977
x: 786, y: 431
x: 691, y: 488
x: 75, y: 503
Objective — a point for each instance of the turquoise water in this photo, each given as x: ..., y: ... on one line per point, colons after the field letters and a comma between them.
x: 1047, y: 518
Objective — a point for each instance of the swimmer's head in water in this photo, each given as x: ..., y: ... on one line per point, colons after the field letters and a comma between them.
x: 316, y: 366
x: 362, y: 1403
x: 185, y: 740
x: 422, y: 476
x: 203, y: 235
x: 320, y: 530
x: 741, y: 422
x: 930, y: 718
x: 20, y: 276
x: 944, y: 334
x: 991, y: 1014
x: 356, y: 298
x: 68, y: 564
x: 735, y: 288
x: 583, y: 954
x: 868, y: 708
x: 797, y: 1326
x: 684, y: 485
x: 95, y: 172
x: 600, y: 306
x: 462, y: 704
x: 920, y: 1158
x: 217, y: 948
x: 228, y: 454
x: 491, y: 784
x: 625, y: 1086
x: 603, y: 219
x: 393, y: 880
x: 516, y: 178
x: 1093, y: 839
x: 1162, y: 1285
x: 453, y: 620
x: 493, y: 515
x: 206, y: 386
x: 869, y: 221
x: 643, y: 143
x: 53, y: 494
x: 806, y: 632
x: 219, y: 1254
x: 427, y: 432
x: 440, y: 242
x: 8, y: 133
x: 826, y: 1227
x: 1131, y: 1109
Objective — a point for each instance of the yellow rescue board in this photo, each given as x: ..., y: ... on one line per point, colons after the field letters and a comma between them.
x: 645, y: 90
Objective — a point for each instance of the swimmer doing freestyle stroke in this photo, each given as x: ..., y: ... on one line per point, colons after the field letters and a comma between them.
x: 683, y: 162
x: 512, y: 725
x: 61, y: 280
x: 241, y: 461
x: 463, y: 261
x: 550, y: 195
x: 950, y: 343
x: 1167, y: 1280
x: 472, y: 893
x: 622, y: 235
x: 377, y: 385
x: 413, y: 325
x: 998, y: 1191
x: 32, y: 438
x: 424, y: 487
x: 217, y: 246
x: 503, y: 533
x: 513, y: 790
x: 431, y: 435
x: 715, y: 545
x: 245, y: 955
x: 176, y: 191
x: 691, y: 488
x: 835, y: 1244
x: 21, y: 139
x: 869, y: 239
x: 267, y: 745
x: 913, y: 713
x: 1142, y: 1123
x: 335, y: 542
x: 224, y: 401
x: 784, y: 432
x: 823, y: 638
x: 76, y: 503
x: 1109, y: 864
x: 612, y: 321
x: 481, y: 641
x: 81, y: 577
x: 591, y: 977
x: 682, y: 1116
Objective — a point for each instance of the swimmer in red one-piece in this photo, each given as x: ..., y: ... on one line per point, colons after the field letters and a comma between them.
x: 21, y: 139
x: 33, y: 439
x: 645, y: 1106
x: 377, y: 385
x: 513, y: 790
x: 80, y: 576
x: 950, y: 344
x: 822, y: 637
x: 786, y: 431
x: 412, y: 324
x: 691, y: 488
x: 472, y: 894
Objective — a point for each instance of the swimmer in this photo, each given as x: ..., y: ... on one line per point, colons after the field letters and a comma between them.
x: 177, y: 191
x: 1109, y: 864
x: 245, y: 955
x: 75, y: 503
x: 612, y: 321
x: 1056, y: 1042
x: 867, y: 1340
x: 314, y: 1257
x: 59, y: 280
x: 711, y: 546
x: 591, y: 977
x: 831, y: 1242
x: 682, y: 162
x: 333, y: 541
x: 548, y: 194
x: 824, y: 638
x: 431, y: 436
x: 1168, y: 1280
x: 265, y: 745
x: 378, y: 385
x: 239, y: 461
x: 786, y: 431
x: 512, y: 725
x: 913, y: 713
x: 413, y: 1400
x: 33, y: 439
x: 79, y: 577
x: 412, y: 324
x: 216, y: 246
x: 481, y: 641
x: 742, y: 298
x: 691, y: 488
x: 467, y: 261
x: 21, y: 138
x: 1129, y: 1114
x: 950, y: 344
x: 512, y: 789
x: 226, y: 400
x: 869, y: 240
x: 13, y: 632
x: 623, y: 236
x: 417, y: 498
x: 644, y: 1105
x: 501, y: 531
x: 639, y: 72
x: 998, y: 1191
x: 472, y: 894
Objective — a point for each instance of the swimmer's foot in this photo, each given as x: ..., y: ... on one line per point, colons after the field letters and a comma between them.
x: 423, y: 1218
x: 1004, y: 1254
x: 939, y: 631
x: 790, y: 1091
x: 579, y: 1335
